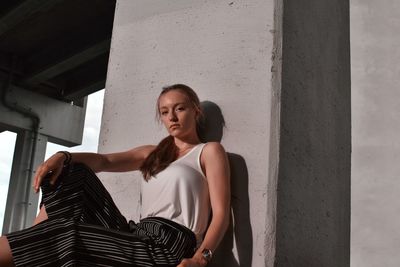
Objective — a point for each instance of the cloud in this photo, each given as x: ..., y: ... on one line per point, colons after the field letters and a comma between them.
x: 7, y: 143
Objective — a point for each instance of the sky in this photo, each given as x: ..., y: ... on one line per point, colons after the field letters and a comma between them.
x: 89, y: 144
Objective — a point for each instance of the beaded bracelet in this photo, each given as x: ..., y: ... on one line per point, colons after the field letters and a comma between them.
x: 68, y: 157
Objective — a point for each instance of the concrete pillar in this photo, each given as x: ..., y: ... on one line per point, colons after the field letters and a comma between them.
x: 230, y: 52
x: 223, y: 50
x: 22, y: 201
x: 313, y: 215
x: 375, y: 56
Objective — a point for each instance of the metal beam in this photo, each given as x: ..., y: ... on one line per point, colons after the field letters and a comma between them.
x: 23, y: 11
x: 86, y: 89
x: 86, y: 79
x: 53, y: 69
x: 5, y: 64
x: 61, y: 122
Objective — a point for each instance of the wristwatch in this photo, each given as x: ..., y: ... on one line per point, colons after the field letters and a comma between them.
x: 207, y: 254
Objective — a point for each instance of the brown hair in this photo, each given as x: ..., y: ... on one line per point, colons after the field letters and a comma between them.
x: 166, y: 151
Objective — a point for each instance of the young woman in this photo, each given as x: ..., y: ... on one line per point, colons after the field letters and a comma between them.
x: 184, y: 181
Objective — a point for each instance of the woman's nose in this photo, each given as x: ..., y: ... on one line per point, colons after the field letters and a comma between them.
x: 172, y: 116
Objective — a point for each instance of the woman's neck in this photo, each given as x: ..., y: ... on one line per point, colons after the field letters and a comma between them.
x: 186, y: 144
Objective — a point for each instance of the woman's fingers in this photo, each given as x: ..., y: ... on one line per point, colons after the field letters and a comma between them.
x: 41, y: 171
x: 37, y: 180
x: 53, y: 175
x: 52, y: 167
x: 45, y: 171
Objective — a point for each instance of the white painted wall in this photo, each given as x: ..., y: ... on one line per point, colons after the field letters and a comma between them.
x: 222, y: 49
x: 375, y: 55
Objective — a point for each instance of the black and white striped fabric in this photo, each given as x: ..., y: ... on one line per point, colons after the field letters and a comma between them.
x: 85, y: 228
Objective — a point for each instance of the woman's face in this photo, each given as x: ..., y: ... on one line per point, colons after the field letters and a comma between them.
x: 177, y: 114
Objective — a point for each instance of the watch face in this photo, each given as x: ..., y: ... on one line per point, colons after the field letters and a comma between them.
x: 207, y: 254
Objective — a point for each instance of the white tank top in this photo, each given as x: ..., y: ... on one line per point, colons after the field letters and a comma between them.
x: 179, y: 193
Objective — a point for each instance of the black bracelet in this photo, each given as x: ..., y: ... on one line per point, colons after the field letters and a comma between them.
x: 68, y: 157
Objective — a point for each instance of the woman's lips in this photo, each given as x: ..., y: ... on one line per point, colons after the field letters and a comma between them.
x: 174, y: 125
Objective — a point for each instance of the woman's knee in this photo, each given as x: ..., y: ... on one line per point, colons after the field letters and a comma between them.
x: 5, y: 252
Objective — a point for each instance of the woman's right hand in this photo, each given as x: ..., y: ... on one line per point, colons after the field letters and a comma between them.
x: 52, y: 168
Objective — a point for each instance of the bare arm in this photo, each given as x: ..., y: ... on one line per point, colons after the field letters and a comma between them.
x: 114, y: 162
x: 218, y: 176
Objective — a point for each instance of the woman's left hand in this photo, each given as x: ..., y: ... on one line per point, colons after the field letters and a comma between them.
x: 191, y: 263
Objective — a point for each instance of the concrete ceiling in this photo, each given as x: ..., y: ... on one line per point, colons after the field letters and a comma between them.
x: 58, y: 48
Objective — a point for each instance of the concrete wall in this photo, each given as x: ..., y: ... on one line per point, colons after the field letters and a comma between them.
x: 375, y: 56
x: 223, y: 50
x: 313, y: 216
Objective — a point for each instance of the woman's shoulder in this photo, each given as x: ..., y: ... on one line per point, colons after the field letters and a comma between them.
x: 214, y: 160
x: 212, y: 149
x: 213, y: 145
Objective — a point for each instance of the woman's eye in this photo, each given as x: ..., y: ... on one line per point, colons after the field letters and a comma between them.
x: 164, y: 113
x: 180, y: 108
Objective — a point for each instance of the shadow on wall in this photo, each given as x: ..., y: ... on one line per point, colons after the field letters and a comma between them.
x: 239, y: 231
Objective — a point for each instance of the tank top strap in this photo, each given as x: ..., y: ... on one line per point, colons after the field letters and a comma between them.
x: 193, y: 158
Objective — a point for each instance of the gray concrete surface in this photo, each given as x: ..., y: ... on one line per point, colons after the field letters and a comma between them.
x: 313, y: 215
x: 223, y: 50
x: 61, y: 122
x: 375, y: 56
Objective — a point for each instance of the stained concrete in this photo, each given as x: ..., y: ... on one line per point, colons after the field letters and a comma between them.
x: 313, y: 215
x: 375, y: 57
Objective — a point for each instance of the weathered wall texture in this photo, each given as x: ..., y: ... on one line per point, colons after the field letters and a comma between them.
x: 313, y: 221
x: 375, y: 56
x: 223, y: 50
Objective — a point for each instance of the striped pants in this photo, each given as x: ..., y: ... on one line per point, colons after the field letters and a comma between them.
x: 85, y: 228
